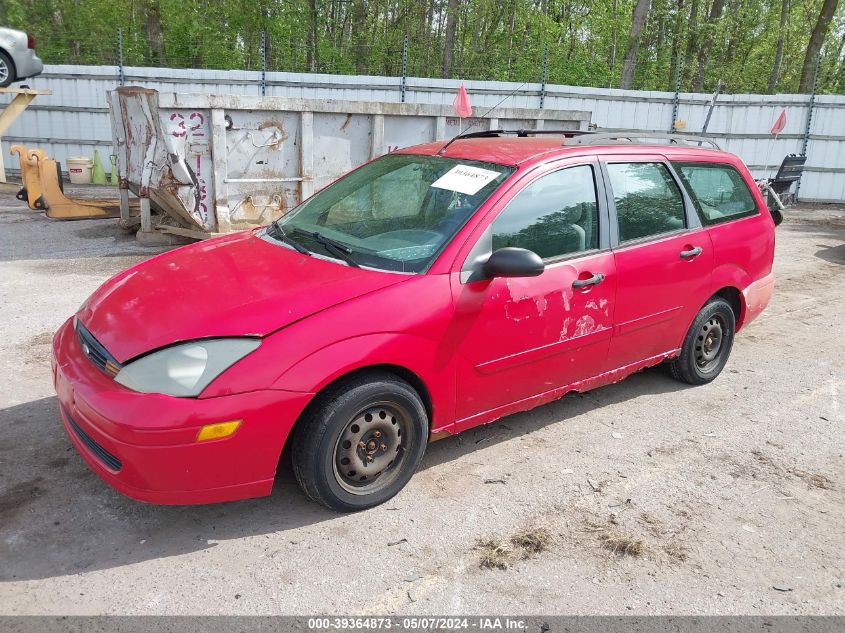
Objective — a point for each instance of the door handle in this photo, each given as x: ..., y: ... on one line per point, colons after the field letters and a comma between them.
x: 592, y: 281
x: 693, y: 252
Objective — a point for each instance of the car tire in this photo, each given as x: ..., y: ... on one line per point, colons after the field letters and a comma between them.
x: 707, y: 344
x: 7, y: 77
x: 360, y: 442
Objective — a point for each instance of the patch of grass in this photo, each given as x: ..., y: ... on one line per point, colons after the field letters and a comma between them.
x: 532, y: 540
x: 676, y: 551
x: 38, y: 349
x: 814, y: 480
x: 761, y: 457
x: 652, y: 523
x: 496, y: 553
x: 45, y: 338
x: 622, y: 545
x: 501, y: 552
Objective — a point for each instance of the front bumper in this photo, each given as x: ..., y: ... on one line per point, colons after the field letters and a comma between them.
x: 144, y: 445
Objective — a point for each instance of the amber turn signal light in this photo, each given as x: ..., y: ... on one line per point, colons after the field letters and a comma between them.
x: 218, y: 430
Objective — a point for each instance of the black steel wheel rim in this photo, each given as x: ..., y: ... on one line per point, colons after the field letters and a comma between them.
x: 709, y: 343
x: 371, y: 448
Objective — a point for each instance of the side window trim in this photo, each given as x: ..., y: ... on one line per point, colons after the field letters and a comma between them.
x: 483, y: 246
x: 690, y: 210
x: 605, y: 225
x: 693, y: 220
x: 602, y: 214
x: 733, y: 218
x: 610, y: 204
x: 551, y: 261
x: 697, y: 204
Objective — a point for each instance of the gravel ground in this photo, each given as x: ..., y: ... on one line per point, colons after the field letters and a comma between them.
x: 645, y: 497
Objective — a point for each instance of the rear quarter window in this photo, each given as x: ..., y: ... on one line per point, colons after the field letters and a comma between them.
x: 719, y: 191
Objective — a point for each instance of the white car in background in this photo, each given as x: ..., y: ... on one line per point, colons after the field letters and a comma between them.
x: 17, y: 57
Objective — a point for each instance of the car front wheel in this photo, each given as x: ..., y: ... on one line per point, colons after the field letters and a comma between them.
x: 707, y: 345
x: 360, y: 442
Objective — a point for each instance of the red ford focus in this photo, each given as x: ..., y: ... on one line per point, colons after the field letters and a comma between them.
x: 429, y: 291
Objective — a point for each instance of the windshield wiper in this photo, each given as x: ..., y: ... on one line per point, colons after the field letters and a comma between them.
x: 338, y: 248
x: 279, y: 233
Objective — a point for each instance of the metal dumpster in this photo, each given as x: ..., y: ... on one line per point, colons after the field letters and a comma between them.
x: 216, y: 163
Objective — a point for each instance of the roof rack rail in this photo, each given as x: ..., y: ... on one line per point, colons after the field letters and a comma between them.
x: 521, y: 133
x: 625, y: 137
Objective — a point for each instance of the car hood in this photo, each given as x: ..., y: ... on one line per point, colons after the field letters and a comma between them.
x: 237, y: 285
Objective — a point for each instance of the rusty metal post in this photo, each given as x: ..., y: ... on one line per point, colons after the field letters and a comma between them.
x: 263, y: 62
x: 545, y: 73
x: 676, y: 101
x: 121, y: 76
x: 810, y: 107
x: 716, y: 94
x: 404, y: 84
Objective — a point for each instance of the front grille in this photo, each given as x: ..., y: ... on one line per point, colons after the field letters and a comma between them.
x: 95, y: 352
x: 109, y: 460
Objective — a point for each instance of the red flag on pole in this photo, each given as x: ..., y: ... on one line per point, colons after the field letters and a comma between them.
x: 780, y: 123
x: 462, y: 106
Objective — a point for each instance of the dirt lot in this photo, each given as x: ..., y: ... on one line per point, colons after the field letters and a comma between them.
x: 645, y: 497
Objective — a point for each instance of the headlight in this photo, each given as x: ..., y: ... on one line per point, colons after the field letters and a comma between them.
x: 184, y: 370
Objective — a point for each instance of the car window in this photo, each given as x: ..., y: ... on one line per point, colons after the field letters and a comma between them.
x: 648, y: 201
x: 719, y: 191
x: 555, y: 215
x: 395, y: 194
x: 397, y: 212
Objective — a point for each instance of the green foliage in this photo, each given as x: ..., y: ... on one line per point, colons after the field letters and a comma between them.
x: 495, y: 39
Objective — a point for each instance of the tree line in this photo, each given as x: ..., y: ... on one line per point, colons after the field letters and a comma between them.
x: 763, y: 46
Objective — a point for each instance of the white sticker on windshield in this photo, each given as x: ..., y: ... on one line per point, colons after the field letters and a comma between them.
x: 465, y: 179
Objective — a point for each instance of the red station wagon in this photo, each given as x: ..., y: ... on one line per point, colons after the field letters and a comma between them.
x: 429, y: 291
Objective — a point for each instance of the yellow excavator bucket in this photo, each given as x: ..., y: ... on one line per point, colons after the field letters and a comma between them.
x: 30, y: 192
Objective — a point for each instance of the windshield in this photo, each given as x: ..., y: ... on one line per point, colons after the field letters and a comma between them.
x: 396, y: 213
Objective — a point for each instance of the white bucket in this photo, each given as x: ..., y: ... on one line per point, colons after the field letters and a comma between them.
x: 79, y: 170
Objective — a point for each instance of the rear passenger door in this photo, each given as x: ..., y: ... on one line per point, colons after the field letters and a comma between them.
x: 663, y: 258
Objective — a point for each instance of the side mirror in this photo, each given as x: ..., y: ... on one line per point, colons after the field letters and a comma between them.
x: 514, y: 262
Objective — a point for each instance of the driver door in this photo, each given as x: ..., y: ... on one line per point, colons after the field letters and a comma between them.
x: 517, y: 338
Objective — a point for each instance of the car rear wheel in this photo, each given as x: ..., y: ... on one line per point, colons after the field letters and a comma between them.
x: 7, y: 70
x: 707, y: 345
x: 360, y: 443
